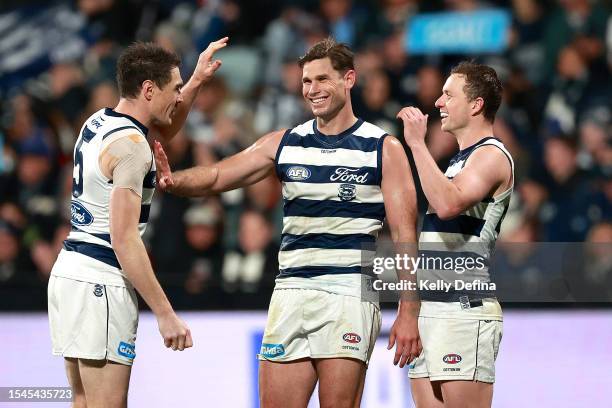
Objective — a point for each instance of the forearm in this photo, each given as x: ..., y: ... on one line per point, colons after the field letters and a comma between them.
x: 442, y: 194
x: 194, y: 182
x: 406, y: 248
x: 134, y: 261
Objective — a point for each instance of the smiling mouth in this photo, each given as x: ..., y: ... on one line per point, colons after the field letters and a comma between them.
x: 318, y: 101
x: 443, y: 115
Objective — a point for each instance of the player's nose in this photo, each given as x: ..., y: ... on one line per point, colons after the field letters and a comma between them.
x: 440, y: 102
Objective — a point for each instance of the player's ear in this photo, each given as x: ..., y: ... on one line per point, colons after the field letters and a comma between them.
x: 349, y: 78
x: 147, y: 89
x: 477, y: 105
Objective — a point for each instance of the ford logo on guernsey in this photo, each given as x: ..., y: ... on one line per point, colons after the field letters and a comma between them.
x: 351, y: 338
x: 452, y: 358
x: 348, y: 176
x: 126, y: 350
x: 272, y: 350
x: 298, y: 173
x: 79, y: 214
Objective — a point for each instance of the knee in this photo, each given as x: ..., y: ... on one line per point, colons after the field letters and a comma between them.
x: 338, y: 401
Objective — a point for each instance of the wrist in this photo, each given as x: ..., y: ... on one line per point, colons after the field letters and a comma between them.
x: 416, y: 144
x: 409, y: 308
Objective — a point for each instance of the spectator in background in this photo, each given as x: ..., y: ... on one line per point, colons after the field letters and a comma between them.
x: 203, y: 258
x: 253, y: 265
x: 564, y: 214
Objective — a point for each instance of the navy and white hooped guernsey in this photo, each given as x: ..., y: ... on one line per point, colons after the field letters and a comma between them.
x: 333, y: 204
x: 91, y: 190
x: 472, y: 234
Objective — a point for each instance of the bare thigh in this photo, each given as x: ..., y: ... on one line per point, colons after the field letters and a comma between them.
x: 341, y: 382
x: 467, y: 394
x: 286, y: 385
x: 426, y: 394
x: 105, y: 383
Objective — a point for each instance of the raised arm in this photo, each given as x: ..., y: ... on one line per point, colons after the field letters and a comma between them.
x: 247, y: 167
x: 486, y: 171
x: 126, y: 161
x: 203, y: 72
x: 399, y: 196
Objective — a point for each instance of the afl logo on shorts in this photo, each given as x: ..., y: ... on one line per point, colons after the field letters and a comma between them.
x: 351, y: 338
x: 98, y: 290
x: 347, y: 192
x: 298, y: 173
x: 452, y: 358
x: 79, y: 214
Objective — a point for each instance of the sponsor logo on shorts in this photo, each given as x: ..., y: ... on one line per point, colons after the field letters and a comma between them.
x: 352, y: 348
x: 451, y: 369
x: 351, y: 338
x: 298, y: 173
x: 98, y: 290
x: 127, y: 350
x: 79, y: 215
x: 452, y: 359
x: 272, y: 350
x: 347, y: 192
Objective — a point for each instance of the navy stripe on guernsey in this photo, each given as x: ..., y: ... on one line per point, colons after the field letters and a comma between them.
x: 462, y: 224
x: 145, y: 209
x: 322, y: 174
x: 149, y: 180
x: 290, y: 242
x: 104, y: 237
x: 98, y: 252
x: 312, y: 271
x: 313, y: 208
x: 118, y: 129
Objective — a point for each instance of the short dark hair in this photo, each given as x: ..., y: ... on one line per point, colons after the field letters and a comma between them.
x: 141, y: 61
x: 339, y: 54
x: 481, y: 81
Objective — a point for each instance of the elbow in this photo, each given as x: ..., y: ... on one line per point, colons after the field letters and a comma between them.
x: 447, y: 212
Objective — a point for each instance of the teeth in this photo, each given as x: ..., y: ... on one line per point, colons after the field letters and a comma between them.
x: 443, y: 114
x: 317, y: 100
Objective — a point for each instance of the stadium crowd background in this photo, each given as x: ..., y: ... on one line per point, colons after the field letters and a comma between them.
x: 57, y: 64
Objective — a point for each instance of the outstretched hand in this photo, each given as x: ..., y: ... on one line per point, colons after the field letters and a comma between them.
x: 206, y: 66
x: 164, y: 174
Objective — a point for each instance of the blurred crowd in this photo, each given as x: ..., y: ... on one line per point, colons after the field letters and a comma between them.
x: 57, y: 64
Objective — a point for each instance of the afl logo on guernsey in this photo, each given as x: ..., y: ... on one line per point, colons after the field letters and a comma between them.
x: 298, y: 173
x: 79, y: 214
x: 347, y: 192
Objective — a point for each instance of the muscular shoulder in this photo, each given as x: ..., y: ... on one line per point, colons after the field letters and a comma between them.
x: 132, y: 149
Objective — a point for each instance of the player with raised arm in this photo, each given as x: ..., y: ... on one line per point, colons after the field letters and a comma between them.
x: 93, y: 310
x: 341, y: 177
x: 461, y: 328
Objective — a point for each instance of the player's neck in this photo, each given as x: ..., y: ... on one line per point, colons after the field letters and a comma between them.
x: 471, y: 134
x: 130, y: 107
x: 338, y: 124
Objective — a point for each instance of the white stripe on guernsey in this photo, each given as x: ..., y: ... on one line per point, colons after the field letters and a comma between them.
x: 324, y: 257
x: 448, y: 237
x: 85, y: 237
x: 454, y: 169
x: 330, y: 225
x: 335, y: 157
x: 329, y: 191
x: 369, y: 130
x: 304, y: 129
